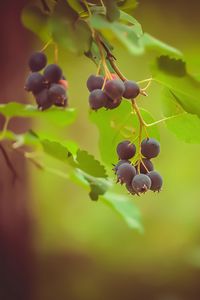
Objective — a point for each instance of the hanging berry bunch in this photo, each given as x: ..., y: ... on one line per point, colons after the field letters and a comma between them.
x: 134, y: 168
x: 49, y: 88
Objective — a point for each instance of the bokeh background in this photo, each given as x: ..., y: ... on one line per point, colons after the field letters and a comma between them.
x: 57, y: 244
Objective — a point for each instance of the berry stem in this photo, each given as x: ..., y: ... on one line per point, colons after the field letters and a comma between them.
x: 55, y: 53
x: 46, y: 45
x: 164, y: 119
x: 98, y: 41
x: 87, y: 6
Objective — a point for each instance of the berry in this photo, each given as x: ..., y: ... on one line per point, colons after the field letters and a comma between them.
x: 141, y: 183
x: 57, y: 94
x: 130, y: 189
x: 114, y: 88
x: 95, y: 82
x: 132, y: 89
x: 111, y: 104
x: 145, y: 163
x: 156, y: 181
x: 120, y: 162
x: 64, y: 83
x: 126, y: 150
x: 62, y: 103
x: 42, y: 99
x: 150, y: 148
x: 114, y: 76
x: 35, y: 82
x: 37, y: 61
x: 125, y: 173
x: 53, y: 73
x: 97, y: 99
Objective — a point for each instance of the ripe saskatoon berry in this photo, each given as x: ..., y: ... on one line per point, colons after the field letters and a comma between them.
x: 132, y: 89
x: 130, y: 189
x: 95, y: 82
x: 126, y: 150
x: 114, y: 88
x: 42, y: 99
x: 35, y: 82
x: 37, y: 61
x: 53, y: 73
x: 111, y: 104
x: 150, y: 148
x: 141, y: 183
x: 145, y: 163
x: 125, y: 173
x: 62, y: 103
x: 120, y: 162
x: 97, y: 99
x: 57, y: 94
x: 156, y: 181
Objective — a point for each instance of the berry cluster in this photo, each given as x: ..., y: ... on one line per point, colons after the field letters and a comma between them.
x: 49, y: 88
x: 108, y: 93
x: 140, y: 176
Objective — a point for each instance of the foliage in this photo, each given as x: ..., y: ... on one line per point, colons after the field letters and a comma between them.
x: 72, y: 25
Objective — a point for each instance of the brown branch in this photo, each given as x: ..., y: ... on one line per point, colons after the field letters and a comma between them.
x: 9, y: 164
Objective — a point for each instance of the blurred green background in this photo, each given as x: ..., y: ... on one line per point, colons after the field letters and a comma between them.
x: 84, y: 250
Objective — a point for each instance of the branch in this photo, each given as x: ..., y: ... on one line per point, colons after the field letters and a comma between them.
x: 9, y: 163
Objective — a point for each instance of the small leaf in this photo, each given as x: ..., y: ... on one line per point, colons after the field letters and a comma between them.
x: 55, y: 149
x: 58, y: 116
x: 172, y: 66
x: 125, y: 208
x: 87, y: 163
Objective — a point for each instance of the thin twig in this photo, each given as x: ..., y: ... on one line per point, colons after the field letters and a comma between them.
x: 9, y: 163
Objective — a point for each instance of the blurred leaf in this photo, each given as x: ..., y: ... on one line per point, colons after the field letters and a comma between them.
x: 117, y: 125
x: 59, y: 116
x: 125, y: 208
x: 75, y: 4
x: 112, y: 11
x: 173, y: 75
x: 151, y: 43
x: 55, y: 149
x: 131, y: 20
x: 37, y: 22
x: 185, y: 126
x: 87, y: 163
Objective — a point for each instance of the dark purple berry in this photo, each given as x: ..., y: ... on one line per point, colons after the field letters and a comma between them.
x: 95, y: 82
x: 53, y: 73
x: 141, y: 183
x: 156, y: 181
x: 114, y: 88
x: 132, y: 89
x: 145, y: 166
x: 125, y: 173
x: 150, y: 148
x: 97, y: 99
x: 37, y: 61
x: 126, y: 150
x: 42, y: 99
x: 130, y: 189
x: 35, y: 82
x: 57, y: 94
x: 111, y: 104
x: 120, y: 162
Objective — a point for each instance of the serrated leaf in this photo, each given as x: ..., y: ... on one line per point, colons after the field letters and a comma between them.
x: 172, y: 74
x: 58, y: 116
x: 125, y: 208
x: 117, y: 125
x: 56, y: 150
x: 87, y: 163
x: 185, y: 126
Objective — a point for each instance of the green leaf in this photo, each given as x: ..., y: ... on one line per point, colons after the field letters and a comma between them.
x: 185, y: 126
x: 151, y: 43
x: 173, y: 75
x: 125, y: 208
x: 76, y: 6
x: 112, y: 11
x: 127, y: 35
x: 124, y: 17
x: 58, y: 116
x: 55, y: 149
x: 87, y: 163
x: 117, y: 125
x: 36, y: 21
